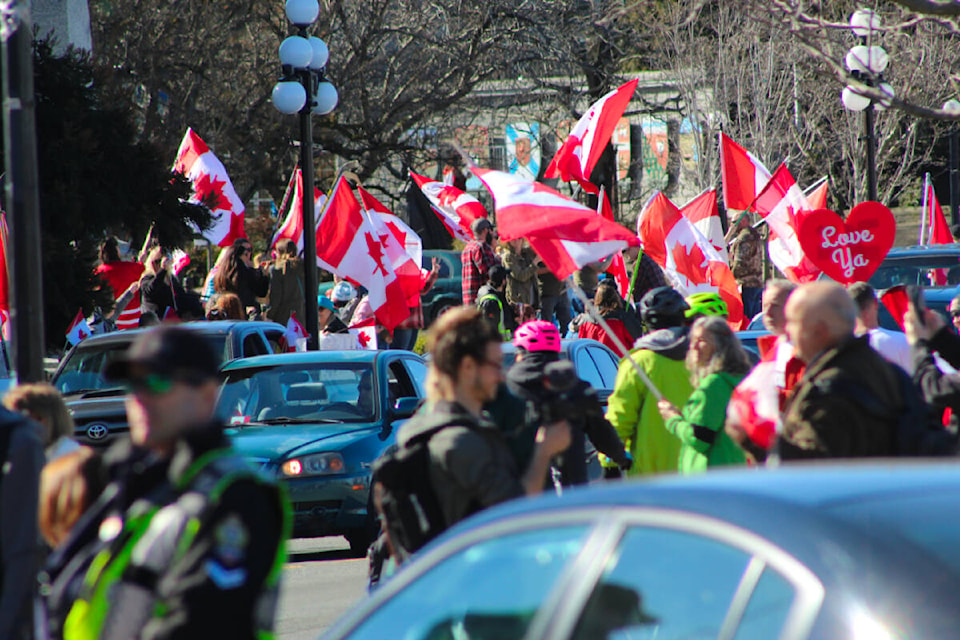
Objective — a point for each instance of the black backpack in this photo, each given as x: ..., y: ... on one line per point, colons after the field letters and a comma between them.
x: 408, y: 501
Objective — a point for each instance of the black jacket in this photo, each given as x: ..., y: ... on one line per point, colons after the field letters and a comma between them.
x: 585, y: 415
x: 211, y: 590
x: 491, y: 310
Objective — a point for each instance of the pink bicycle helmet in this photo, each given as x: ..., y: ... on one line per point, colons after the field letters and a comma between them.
x: 537, y: 335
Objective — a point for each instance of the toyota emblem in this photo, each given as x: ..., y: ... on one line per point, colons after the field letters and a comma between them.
x: 97, y: 431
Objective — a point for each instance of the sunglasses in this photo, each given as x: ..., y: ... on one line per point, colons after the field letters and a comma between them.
x: 157, y: 384
x: 955, y: 314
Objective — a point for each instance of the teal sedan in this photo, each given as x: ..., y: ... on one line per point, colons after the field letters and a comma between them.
x: 316, y: 421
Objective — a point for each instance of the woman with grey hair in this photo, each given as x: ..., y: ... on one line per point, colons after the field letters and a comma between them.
x: 717, y: 363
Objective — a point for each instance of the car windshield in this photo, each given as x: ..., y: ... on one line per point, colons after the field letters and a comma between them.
x: 928, y: 521
x: 926, y: 270
x: 83, y: 370
x: 299, y: 393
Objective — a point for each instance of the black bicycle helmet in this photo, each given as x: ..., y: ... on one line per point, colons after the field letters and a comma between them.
x: 662, y: 308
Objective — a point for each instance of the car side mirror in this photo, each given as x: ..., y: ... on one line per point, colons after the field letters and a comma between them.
x: 405, y: 407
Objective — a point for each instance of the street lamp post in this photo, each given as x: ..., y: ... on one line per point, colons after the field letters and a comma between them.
x: 953, y: 106
x: 866, y: 63
x: 303, y: 89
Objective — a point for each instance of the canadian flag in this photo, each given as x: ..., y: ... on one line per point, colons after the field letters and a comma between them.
x: 4, y: 274
x: 577, y: 157
x: 702, y: 212
x: 617, y: 268
x: 351, y: 248
x: 455, y: 208
x: 292, y: 227
x: 211, y: 187
x: 742, y: 174
x: 781, y: 203
x: 294, y: 332
x: 564, y: 233
x: 366, y: 334
x: 79, y: 329
x: 686, y: 255
x: 933, y: 224
x: 406, y: 268
x: 754, y: 405
x: 180, y: 260
x: 816, y: 194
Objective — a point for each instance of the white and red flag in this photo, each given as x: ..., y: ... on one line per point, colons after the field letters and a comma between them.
x: 577, y: 157
x: 742, y: 174
x: 816, y: 194
x: 211, y: 187
x: 686, y: 256
x: 365, y: 332
x: 295, y: 331
x: 702, y: 212
x: 180, y: 260
x: 455, y: 208
x: 292, y: 227
x: 4, y: 278
x: 351, y: 248
x: 933, y: 224
x: 564, y: 233
x: 618, y: 268
x: 406, y: 268
x: 782, y: 203
x: 79, y: 329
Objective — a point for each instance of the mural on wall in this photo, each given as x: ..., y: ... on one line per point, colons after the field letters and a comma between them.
x: 654, y: 153
x: 621, y: 143
x: 523, y: 149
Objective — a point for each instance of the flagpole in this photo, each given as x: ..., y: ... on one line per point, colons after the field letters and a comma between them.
x: 592, y: 310
x: 281, y: 212
x: 923, y: 210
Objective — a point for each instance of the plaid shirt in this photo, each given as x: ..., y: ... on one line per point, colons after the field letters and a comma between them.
x: 477, y: 259
x: 649, y: 277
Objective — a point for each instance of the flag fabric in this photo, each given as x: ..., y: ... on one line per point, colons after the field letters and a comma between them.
x: 351, y: 248
x: 781, y: 203
x: 180, y: 260
x: 366, y: 334
x: 564, y: 233
x: 455, y: 208
x: 618, y: 268
x: 295, y: 331
x: 403, y: 264
x: 292, y: 227
x: 742, y: 174
x: 686, y: 255
x: 4, y: 268
x: 932, y: 219
x: 577, y: 157
x: 702, y: 212
x: 211, y: 187
x: 79, y: 329
x: 816, y: 194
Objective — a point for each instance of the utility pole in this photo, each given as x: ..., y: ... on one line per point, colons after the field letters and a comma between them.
x: 22, y: 193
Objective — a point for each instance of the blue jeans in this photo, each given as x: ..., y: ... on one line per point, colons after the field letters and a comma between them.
x: 559, y: 305
x: 752, y: 297
x: 404, y: 339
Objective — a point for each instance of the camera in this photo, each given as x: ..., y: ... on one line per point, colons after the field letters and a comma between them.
x: 559, y: 380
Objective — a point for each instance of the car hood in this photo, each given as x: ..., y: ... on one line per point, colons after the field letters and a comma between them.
x: 278, y: 442
x: 84, y: 408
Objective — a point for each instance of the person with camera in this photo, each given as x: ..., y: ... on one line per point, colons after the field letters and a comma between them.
x: 717, y: 363
x: 554, y: 392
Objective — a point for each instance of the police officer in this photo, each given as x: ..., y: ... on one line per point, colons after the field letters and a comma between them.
x: 187, y: 540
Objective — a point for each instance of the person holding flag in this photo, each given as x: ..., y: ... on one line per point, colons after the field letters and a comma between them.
x: 118, y: 275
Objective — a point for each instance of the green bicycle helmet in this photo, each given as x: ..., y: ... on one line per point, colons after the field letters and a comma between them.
x: 706, y: 304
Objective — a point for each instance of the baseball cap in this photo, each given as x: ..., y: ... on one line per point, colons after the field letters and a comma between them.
x: 343, y: 291
x: 170, y: 351
x: 479, y: 225
x: 323, y: 302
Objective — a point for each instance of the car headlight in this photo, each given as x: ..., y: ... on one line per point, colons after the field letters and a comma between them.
x: 317, y: 464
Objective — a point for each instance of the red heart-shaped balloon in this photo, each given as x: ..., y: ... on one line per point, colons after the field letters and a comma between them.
x: 848, y: 250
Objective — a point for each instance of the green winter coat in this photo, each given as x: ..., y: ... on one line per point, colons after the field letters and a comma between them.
x: 704, y: 443
x: 632, y: 409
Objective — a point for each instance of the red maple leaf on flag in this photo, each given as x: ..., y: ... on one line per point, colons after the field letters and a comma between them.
x: 375, y: 250
x: 397, y: 232
x: 209, y: 191
x: 691, y: 264
x: 447, y: 197
x: 364, y: 339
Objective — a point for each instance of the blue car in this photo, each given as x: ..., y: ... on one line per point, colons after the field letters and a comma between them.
x: 316, y: 421
x: 841, y: 551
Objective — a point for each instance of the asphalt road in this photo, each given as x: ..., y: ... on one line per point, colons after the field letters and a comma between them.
x: 320, y: 582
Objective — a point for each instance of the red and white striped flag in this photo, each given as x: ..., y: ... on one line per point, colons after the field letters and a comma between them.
x: 79, y: 329
x: 211, y: 187
x: 686, y: 256
x: 579, y: 154
x: 781, y: 203
x: 816, y: 194
x: 292, y: 227
x: 742, y: 174
x: 702, y: 212
x: 455, y: 208
x: 564, y: 233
